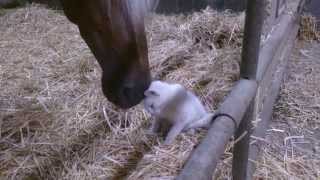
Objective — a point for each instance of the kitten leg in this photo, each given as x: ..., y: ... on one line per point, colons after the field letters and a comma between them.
x: 155, y: 126
x: 203, y: 122
x: 174, y: 132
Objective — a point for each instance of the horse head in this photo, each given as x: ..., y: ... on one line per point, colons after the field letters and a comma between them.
x: 115, y: 33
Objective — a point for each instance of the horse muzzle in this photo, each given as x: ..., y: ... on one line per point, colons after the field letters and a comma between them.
x: 126, y: 95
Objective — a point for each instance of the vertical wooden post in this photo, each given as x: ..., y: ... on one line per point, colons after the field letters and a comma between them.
x: 250, y: 54
x: 251, y: 42
x: 277, y: 8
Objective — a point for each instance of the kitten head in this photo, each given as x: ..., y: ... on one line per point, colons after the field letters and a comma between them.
x: 158, y: 95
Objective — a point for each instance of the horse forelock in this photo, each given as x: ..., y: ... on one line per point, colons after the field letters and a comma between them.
x: 134, y: 12
x: 125, y: 18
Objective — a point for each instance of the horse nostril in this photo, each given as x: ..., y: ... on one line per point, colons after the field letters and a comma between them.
x: 132, y: 93
x: 127, y: 90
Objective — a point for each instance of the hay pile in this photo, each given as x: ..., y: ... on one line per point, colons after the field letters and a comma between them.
x: 200, y: 51
x: 55, y: 122
x: 309, y: 30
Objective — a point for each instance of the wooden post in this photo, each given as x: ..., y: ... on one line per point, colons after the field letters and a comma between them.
x: 250, y: 54
x: 251, y: 42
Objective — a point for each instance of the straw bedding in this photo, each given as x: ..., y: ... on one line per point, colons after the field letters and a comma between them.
x: 310, y: 28
x: 56, y: 124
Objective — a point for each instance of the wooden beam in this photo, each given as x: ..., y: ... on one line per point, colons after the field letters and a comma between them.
x: 202, y: 162
x: 272, y: 78
x: 267, y: 111
x: 271, y: 45
x: 265, y: 76
x: 250, y: 55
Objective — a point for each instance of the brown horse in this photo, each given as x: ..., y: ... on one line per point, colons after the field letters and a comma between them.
x: 114, y: 31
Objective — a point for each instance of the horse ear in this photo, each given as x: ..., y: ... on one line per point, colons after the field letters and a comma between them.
x: 149, y: 93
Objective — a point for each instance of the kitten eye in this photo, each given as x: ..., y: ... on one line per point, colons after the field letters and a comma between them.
x: 151, y: 93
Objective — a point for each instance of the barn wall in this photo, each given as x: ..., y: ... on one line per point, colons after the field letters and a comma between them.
x: 50, y: 3
x: 183, y: 6
x: 314, y: 8
x: 17, y: 3
x: 236, y: 5
x: 165, y: 6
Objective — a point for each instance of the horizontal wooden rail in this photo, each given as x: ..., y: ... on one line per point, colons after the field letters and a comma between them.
x: 271, y: 45
x: 204, y: 159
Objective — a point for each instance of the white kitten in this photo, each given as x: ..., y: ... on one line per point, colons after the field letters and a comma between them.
x: 175, y: 106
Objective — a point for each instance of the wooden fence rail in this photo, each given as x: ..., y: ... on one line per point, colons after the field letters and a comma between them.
x: 272, y: 44
x: 271, y: 80
x: 267, y: 111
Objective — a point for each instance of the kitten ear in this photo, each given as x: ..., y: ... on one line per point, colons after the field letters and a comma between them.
x: 149, y: 93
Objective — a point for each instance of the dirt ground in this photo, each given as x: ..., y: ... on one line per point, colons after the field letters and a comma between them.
x: 56, y: 124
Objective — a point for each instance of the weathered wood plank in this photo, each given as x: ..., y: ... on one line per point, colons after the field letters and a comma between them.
x: 268, y: 105
x: 266, y: 79
x: 271, y: 45
x: 271, y: 81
